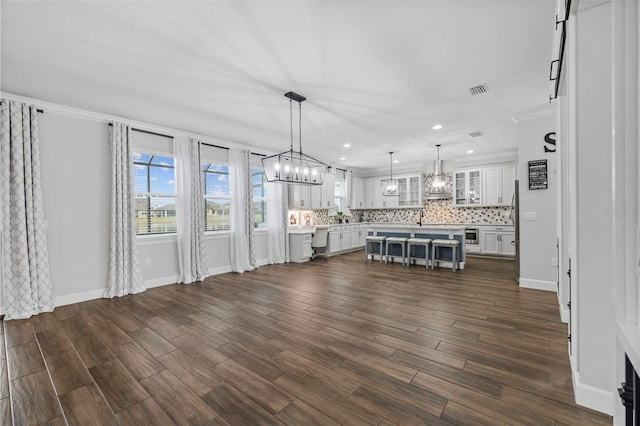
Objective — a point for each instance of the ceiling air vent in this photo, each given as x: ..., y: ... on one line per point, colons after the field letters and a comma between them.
x: 476, y: 134
x: 479, y: 90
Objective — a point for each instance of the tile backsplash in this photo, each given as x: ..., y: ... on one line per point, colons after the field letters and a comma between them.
x: 434, y: 211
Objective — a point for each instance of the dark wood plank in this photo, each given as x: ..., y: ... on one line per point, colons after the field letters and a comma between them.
x: 236, y: 408
x: 24, y: 360
x: 152, y: 342
x: 5, y: 411
x: 298, y: 413
x: 118, y: 385
x: 92, y: 350
x: 181, y: 405
x: 147, y: 412
x: 191, y: 372
x: 33, y: 400
x: 138, y: 361
x: 86, y: 406
x: 68, y: 372
x: 255, y: 387
x: 53, y: 341
x: 201, y: 349
x: 461, y: 415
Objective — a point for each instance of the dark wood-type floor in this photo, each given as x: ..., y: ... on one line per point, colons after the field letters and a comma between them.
x: 326, y: 342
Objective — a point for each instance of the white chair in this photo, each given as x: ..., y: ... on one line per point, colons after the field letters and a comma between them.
x: 319, y: 242
x: 393, y: 242
x: 412, y: 243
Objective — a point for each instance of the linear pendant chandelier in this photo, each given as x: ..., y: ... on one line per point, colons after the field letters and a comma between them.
x: 294, y: 166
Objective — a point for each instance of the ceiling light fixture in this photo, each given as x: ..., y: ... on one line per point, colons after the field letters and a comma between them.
x: 470, y: 151
x: 343, y: 158
x: 347, y: 145
x: 437, y: 126
x: 438, y: 184
x: 294, y: 166
x: 390, y: 186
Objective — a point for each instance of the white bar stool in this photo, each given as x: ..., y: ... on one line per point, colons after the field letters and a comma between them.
x: 371, y: 241
x: 453, y: 244
x: 412, y: 243
x: 395, y: 241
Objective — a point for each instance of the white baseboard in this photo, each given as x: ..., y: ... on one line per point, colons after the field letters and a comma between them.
x: 219, y: 270
x: 68, y: 299
x: 159, y: 282
x: 592, y: 397
x: 565, y: 313
x: 538, y: 284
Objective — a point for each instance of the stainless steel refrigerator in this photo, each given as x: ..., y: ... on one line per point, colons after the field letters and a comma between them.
x: 515, y: 219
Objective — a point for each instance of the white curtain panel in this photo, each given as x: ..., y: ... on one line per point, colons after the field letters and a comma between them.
x: 125, y: 276
x: 25, y: 260
x: 190, y: 211
x: 276, y: 223
x: 241, y: 232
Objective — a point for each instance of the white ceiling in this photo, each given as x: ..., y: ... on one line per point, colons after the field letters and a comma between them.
x: 377, y: 74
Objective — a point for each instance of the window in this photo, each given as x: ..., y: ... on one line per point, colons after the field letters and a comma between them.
x: 155, y: 194
x: 217, y: 197
x: 258, y: 183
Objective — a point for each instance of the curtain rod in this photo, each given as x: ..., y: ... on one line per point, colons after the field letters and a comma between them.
x: 41, y: 111
x: 227, y: 148
x: 149, y: 132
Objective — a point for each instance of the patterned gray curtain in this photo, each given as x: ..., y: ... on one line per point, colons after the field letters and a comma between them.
x: 191, y: 215
x: 125, y: 276
x: 25, y: 260
x: 241, y: 232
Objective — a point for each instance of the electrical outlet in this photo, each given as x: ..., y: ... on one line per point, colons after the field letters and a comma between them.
x: 554, y: 261
x: 148, y: 261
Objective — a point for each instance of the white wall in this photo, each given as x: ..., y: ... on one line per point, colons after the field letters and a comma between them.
x: 76, y: 177
x: 593, y: 266
x: 76, y: 193
x: 537, y: 237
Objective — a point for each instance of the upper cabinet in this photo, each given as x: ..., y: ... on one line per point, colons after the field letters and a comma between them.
x: 467, y: 188
x: 328, y: 192
x: 358, y: 196
x: 410, y: 191
x: 498, y: 184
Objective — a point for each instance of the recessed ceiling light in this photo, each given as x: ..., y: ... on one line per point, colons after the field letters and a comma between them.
x: 437, y: 126
x: 347, y: 145
x: 396, y: 161
x: 343, y: 158
x: 470, y: 151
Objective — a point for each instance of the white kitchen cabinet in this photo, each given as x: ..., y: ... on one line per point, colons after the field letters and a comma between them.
x: 380, y: 201
x: 358, y: 193
x: 497, y: 241
x: 339, y: 238
x: 467, y: 188
x: 305, y: 196
x: 358, y: 236
x: 328, y: 192
x: 300, y: 247
x: 410, y: 191
x: 498, y: 185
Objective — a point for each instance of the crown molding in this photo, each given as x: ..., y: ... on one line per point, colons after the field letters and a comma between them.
x: 545, y: 111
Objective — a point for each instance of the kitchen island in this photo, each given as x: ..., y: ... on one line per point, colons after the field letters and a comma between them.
x: 409, y: 230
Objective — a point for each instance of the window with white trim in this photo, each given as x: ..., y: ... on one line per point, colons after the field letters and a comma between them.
x: 259, y: 187
x: 155, y: 194
x: 217, y: 197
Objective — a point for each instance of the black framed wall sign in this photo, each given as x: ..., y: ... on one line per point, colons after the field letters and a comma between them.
x: 538, y: 175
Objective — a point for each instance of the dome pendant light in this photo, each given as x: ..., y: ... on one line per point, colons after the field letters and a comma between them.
x: 390, y: 186
x: 294, y: 166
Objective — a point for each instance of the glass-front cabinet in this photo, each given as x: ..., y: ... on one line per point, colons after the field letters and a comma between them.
x: 409, y: 190
x: 467, y: 188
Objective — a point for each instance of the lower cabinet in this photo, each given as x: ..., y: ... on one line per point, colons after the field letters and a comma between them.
x: 499, y: 242
x: 339, y: 239
x: 358, y: 237
x: 346, y: 237
x: 300, y: 247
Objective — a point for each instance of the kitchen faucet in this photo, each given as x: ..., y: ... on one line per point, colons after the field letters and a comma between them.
x: 420, y: 221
